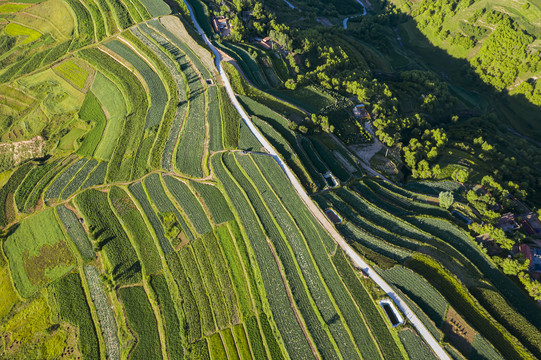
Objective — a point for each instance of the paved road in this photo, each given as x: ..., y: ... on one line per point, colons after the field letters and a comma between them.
x: 322, y: 218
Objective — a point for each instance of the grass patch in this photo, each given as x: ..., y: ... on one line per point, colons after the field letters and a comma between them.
x: 37, y: 252
x: 29, y: 34
x: 74, y: 71
x: 92, y: 112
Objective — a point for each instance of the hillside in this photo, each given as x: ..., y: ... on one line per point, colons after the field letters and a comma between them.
x: 170, y: 190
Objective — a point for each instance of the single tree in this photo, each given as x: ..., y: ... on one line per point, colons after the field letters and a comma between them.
x: 446, y: 199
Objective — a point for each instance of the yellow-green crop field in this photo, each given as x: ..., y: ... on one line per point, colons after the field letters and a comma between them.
x: 15, y: 29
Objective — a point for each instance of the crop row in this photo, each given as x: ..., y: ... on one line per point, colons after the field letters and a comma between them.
x: 85, y: 25
x: 53, y: 192
x: 97, y: 176
x: 214, y: 120
x: 415, y: 346
x: 230, y: 120
x: 214, y: 201
x: 331, y: 161
x: 315, y: 247
x: 210, y: 279
x: 254, y: 336
x: 76, y: 232
x: 176, y: 107
x: 232, y: 238
x: 135, y: 226
x: 298, y: 246
x: 122, y: 17
x: 189, y: 203
x: 464, y: 303
x: 281, y: 125
x: 74, y: 309
x: 104, y: 311
x: 79, y: 178
x: 421, y: 292
x: 322, y: 338
x: 7, y: 193
x: 314, y: 158
x: 109, y: 236
x: 164, y: 204
x: 199, y: 291
x: 98, y: 19
x: 142, y: 321
x: 239, y: 338
x: 192, y: 319
x: 121, y: 163
x: 35, y: 195
x: 295, y: 342
x: 234, y: 265
x: 378, y: 327
x: 139, y: 192
x: 170, y: 317
x: 30, y: 182
x: 221, y: 271
x: 247, y: 63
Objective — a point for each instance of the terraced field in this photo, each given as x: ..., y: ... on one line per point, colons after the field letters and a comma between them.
x: 150, y: 224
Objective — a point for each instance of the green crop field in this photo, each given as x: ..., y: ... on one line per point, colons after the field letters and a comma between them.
x: 159, y: 201
x: 37, y: 258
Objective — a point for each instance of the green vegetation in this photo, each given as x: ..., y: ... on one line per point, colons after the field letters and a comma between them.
x: 415, y: 347
x: 7, y: 212
x: 214, y: 201
x: 74, y: 71
x: 30, y: 182
x: 35, y: 259
x: 54, y: 191
x: 76, y: 232
x: 73, y: 306
x: 170, y: 317
x: 15, y: 29
x: 108, y: 237
x: 142, y: 321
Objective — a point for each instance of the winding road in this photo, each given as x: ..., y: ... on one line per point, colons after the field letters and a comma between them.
x: 322, y: 218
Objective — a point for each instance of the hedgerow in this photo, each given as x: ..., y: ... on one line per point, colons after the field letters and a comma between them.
x: 142, y: 321
x: 74, y: 309
x: 170, y: 317
x: 133, y: 223
x: 191, y: 319
x: 459, y: 297
x: 7, y: 193
x: 107, y: 234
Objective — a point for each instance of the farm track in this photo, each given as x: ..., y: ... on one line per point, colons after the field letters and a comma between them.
x: 316, y: 212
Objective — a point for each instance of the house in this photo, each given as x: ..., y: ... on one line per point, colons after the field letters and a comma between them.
x: 507, y: 223
x: 221, y: 26
x: 532, y: 224
x: 359, y: 111
x: 533, y: 254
